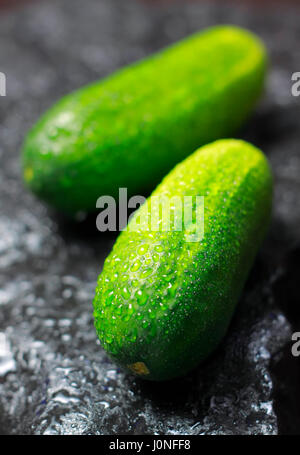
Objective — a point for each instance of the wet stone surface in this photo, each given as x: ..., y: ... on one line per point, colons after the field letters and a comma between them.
x: 54, y: 376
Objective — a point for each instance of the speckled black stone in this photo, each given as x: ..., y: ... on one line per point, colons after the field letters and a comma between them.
x: 54, y: 376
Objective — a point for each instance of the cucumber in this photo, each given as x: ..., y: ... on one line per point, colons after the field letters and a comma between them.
x: 130, y: 129
x: 163, y: 302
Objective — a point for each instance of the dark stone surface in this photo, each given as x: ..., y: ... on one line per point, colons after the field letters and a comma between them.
x: 54, y: 376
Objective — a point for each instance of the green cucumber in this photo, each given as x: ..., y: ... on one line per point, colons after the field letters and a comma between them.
x: 131, y: 128
x: 164, y: 302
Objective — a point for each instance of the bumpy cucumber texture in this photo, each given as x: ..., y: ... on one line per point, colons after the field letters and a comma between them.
x: 164, y: 302
x: 130, y: 129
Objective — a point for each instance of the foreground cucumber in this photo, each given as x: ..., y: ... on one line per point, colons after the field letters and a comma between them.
x: 163, y: 303
x: 132, y: 128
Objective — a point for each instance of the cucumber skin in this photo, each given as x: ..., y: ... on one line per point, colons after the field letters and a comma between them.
x: 130, y: 129
x: 173, y: 318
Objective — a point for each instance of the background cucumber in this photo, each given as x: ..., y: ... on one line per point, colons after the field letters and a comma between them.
x: 130, y: 129
x: 163, y: 304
